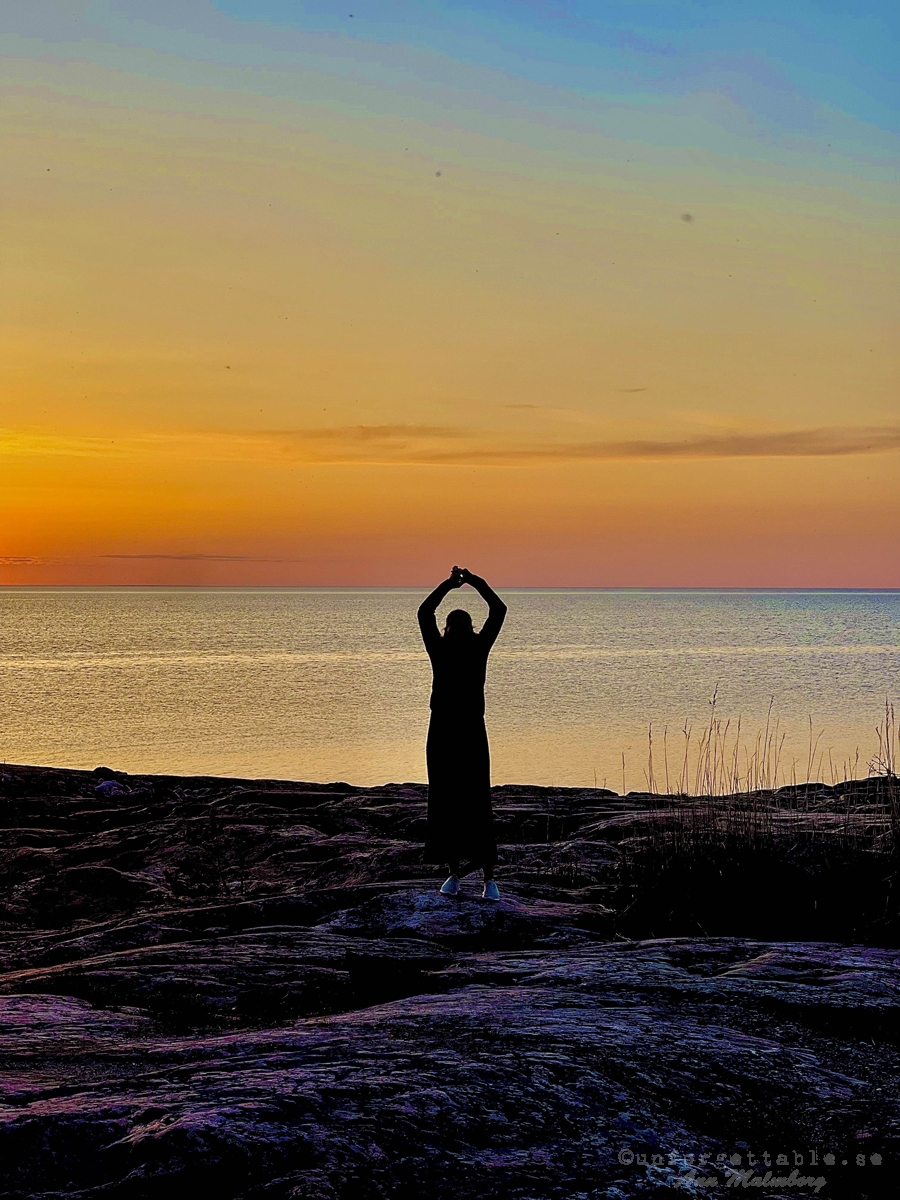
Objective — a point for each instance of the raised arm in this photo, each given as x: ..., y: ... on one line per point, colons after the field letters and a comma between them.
x: 427, y: 623
x: 496, y: 607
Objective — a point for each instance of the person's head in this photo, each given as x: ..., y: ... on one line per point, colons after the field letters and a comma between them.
x: 459, y: 624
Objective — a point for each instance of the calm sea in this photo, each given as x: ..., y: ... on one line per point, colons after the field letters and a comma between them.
x: 332, y: 684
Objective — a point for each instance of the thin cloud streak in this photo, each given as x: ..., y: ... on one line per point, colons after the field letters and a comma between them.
x: 382, y: 433
x: 427, y: 445
x: 196, y: 557
x: 800, y: 443
x: 399, y: 446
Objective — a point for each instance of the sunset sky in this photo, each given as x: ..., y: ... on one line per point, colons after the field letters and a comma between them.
x: 572, y: 293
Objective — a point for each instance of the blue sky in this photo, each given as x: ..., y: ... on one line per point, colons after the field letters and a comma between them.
x: 778, y: 59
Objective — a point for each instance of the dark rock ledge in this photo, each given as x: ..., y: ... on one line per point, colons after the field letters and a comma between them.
x: 251, y: 989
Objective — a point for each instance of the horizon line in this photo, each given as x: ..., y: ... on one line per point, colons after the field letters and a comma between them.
x: 412, y: 587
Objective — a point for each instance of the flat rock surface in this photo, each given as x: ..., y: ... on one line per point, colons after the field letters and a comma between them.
x: 254, y: 989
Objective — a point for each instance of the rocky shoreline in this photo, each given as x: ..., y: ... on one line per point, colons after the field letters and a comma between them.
x: 252, y: 987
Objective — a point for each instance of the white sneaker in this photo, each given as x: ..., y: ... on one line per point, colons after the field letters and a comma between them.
x: 450, y: 886
x: 491, y: 891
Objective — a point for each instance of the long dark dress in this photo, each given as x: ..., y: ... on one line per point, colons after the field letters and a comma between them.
x: 460, y: 818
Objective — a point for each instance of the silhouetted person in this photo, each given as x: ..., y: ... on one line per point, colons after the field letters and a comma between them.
x: 460, y: 819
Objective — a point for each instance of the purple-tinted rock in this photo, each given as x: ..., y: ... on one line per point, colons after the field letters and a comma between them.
x: 250, y: 990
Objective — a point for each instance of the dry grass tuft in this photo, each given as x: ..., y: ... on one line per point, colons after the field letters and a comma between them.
x: 734, y: 850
